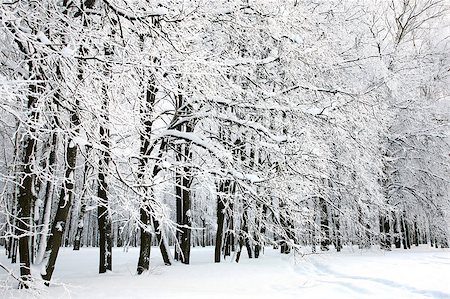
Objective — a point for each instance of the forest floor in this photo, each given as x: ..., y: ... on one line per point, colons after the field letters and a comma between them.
x: 421, y: 272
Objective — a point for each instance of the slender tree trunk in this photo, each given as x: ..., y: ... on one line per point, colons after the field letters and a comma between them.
x: 186, y: 229
x: 385, y: 228
x: 203, y: 232
x: 179, y: 204
x: 103, y: 215
x: 146, y: 213
x: 80, y: 223
x: 220, y: 212
x: 405, y: 232
x: 243, y: 237
x: 262, y: 231
x: 14, y: 243
x: 337, y: 233
x: 324, y: 225
x: 163, y: 246
x: 284, y: 247
x: 65, y: 201
x: 12, y: 253
x: 48, y: 200
x: 416, y: 234
x: 82, y: 212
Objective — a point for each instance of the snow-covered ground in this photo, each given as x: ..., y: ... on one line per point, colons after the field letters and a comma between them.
x: 421, y: 272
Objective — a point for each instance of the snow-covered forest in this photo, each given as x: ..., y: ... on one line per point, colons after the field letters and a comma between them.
x: 304, y: 126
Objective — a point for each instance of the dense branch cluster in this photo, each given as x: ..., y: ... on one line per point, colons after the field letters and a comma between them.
x: 226, y: 123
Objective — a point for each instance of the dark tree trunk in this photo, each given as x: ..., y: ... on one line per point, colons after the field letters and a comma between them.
x: 146, y: 241
x: 145, y: 151
x: 220, y: 220
x: 405, y: 233
x: 146, y: 213
x: 162, y: 243
x: 262, y: 230
x: 324, y: 225
x: 337, y: 233
x: 14, y: 243
x: 103, y: 215
x: 364, y: 241
x: 286, y: 225
x: 87, y: 167
x: 203, y: 232
x: 416, y: 234
x: 229, y: 224
x: 186, y: 181
x: 385, y: 239
x: 179, y: 204
x: 82, y: 212
x: 397, y: 239
x: 9, y: 247
x: 13, y: 240
x: 48, y: 195
x: 243, y: 238
x: 26, y: 198
x: 186, y: 229
x: 65, y: 201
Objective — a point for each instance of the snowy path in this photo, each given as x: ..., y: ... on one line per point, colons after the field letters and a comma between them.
x: 418, y: 273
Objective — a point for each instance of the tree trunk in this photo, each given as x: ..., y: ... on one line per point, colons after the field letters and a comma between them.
x: 146, y: 241
x: 385, y: 239
x: 179, y: 204
x: 397, y: 239
x: 220, y: 212
x: 103, y: 215
x: 48, y: 201
x: 82, y: 212
x: 26, y: 197
x: 405, y: 232
x: 324, y: 225
x: 65, y: 201
x: 337, y: 233
x: 186, y: 229
x: 146, y: 211
x: 243, y: 237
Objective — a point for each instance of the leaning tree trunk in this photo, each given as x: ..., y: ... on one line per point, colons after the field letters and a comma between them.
x: 146, y: 211
x: 13, y: 241
x: 67, y: 189
x: 64, y: 204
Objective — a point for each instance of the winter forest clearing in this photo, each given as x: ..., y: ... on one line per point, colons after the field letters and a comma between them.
x: 216, y: 131
x: 422, y: 272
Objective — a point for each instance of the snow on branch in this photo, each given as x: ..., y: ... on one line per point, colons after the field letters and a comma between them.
x: 133, y: 17
x: 198, y: 139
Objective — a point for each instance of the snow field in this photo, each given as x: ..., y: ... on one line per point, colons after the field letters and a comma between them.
x: 422, y: 272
